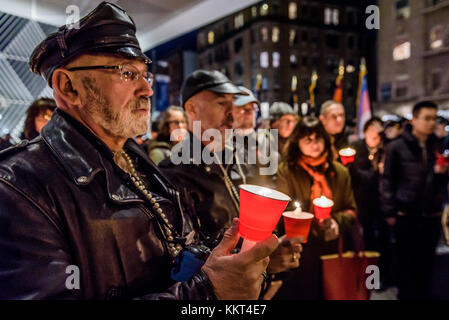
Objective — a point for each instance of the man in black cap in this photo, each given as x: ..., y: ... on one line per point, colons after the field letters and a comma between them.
x: 207, y: 168
x: 83, y: 212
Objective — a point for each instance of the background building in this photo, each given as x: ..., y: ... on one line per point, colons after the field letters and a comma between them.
x: 282, y: 42
x: 413, y: 54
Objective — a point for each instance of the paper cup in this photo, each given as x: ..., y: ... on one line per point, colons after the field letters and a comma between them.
x: 260, y: 211
x: 347, y: 155
x: 297, y: 225
x: 322, y: 207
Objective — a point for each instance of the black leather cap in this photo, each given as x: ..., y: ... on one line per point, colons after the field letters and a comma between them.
x: 214, y: 81
x: 108, y: 28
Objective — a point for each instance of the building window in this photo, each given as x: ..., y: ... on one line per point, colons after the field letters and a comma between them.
x: 238, y: 68
x: 401, y: 90
x: 351, y: 42
x: 276, y: 59
x: 264, y: 10
x: 264, y: 32
x: 402, y: 51
x: 331, y: 16
x: 336, y: 17
x: 201, y: 40
x: 254, y: 12
x: 332, y: 41
x: 292, y: 37
x: 253, y: 61
x: 385, y: 92
x: 292, y: 10
x: 314, y: 12
x: 314, y: 38
x: 264, y: 84
x: 275, y: 35
x: 304, y: 36
x: 293, y: 61
x: 211, y: 37
x: 264, y: 60
x: 239, y: 21
x: 327, y: 16
x: 252, y: 36
x: 316, y: 62
x: 276, y: 82
x: 436, y: 80
x: 238, y: 44
x: 210, y: 58
x: 402, y: 9
x: 332, y: 64
x: 436, y: 37
x: 305, y: 61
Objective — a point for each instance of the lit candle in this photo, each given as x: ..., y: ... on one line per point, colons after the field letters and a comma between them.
x: 298, y: 210
x: 347, y: 152
x: 323, y: 202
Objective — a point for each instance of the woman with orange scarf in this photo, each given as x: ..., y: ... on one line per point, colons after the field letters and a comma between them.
x: 308, y: 172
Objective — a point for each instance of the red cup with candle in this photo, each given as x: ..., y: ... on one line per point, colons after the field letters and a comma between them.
x: 260, y: 211
x: 322, y: 207
x: 442, y: 159
x: 297, y: 223
x: 347, y: 155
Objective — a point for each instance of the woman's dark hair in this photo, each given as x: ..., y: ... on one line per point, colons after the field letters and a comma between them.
x: 164, y: 126
x: 371, y: 122
x: 35, y: 109
x: 306, y: 127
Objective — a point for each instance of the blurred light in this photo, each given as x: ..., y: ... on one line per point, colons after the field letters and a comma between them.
x: 162, y: 63
x: 350, y: 68
x: 1, y: 116
x: 5, y: 131
x: 446, y: 128
x: 402, y: 51
x: 436, y: 44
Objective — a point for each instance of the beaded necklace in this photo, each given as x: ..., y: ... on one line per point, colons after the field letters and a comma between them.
x: 169, y: 233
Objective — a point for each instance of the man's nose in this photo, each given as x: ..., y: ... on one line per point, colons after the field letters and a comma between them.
x: 145, y: 88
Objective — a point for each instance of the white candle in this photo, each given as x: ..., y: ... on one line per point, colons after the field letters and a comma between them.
x: 298, y: 210
x: 323, y: 202
x: 347, y: 152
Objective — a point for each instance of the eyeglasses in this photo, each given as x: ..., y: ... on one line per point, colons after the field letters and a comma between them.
x: 127, y: 72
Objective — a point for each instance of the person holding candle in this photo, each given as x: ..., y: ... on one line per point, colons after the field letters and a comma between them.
x: 307, y: 173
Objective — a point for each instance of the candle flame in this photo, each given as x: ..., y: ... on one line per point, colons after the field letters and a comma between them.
x: 297, y: 205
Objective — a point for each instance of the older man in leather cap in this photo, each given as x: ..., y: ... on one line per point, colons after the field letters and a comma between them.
x: 209, y: 173
x: 83, y: 196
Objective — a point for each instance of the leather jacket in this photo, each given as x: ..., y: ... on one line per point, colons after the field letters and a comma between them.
x: 64, y: 202
x: 203, y: 187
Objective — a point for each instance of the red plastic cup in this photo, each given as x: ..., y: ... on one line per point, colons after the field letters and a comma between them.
x: 347, y: 155
x: 297, y: 225
x: 322, y: 207
x: 442, y: 159
x: 260, y: 210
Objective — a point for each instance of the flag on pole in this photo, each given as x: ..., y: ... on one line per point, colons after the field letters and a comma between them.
x: 363, y: 103
x: 312, y: 89
x: 294, y: 100
x: 338, y: 93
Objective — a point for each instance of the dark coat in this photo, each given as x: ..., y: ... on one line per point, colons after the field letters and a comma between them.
x: 63, y: 202
x: 409, y: 184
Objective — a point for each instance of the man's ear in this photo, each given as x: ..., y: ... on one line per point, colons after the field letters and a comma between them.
x: 64, y: 86
x: 191, y: 108
x: 321, y: 117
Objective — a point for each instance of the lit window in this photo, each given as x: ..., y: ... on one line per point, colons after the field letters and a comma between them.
x: 292, y: 10
x: 254, y: 11
x: 327, y: 16
x: 402, y: 9
x: 276, y: 59
x: 264, y: 32
x: 436, y: 37
x: 264, y: 10
x: 264, y: 60
x: 239, y: 21
x: 292, y: 37
x: 402, y: 51
x: 293, y: 61
x: 211, y: 37
x: 275, y: 35
x: 335, y: 17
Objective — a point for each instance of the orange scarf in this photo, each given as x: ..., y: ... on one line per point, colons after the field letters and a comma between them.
x: 320, y: 186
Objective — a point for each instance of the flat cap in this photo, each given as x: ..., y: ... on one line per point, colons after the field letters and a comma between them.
x: 241, y: 100
x: 214, y: 81
x: 108, y: 28
x: 278, y: 109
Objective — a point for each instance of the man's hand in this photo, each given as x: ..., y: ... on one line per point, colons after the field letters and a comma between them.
x: 331, y: 229
x: 391, y: 221
x: 286, y: 255
x: 238, y: 276
x: 440, y: 169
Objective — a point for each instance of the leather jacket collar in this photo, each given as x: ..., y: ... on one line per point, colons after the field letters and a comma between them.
x: 83, y: 155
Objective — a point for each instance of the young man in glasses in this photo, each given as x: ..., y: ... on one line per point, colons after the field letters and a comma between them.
x: 84, y: 213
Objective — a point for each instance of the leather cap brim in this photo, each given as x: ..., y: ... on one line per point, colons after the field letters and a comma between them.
x: 227, y: 87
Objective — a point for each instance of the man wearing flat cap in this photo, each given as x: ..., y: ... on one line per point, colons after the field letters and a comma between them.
x: 84, y: 214
x: 210, y: 175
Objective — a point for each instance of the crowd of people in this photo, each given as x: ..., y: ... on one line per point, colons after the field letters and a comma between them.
x: 82, y: 191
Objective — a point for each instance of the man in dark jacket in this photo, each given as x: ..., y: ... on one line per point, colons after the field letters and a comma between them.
x: 207, y: 170
x: 413, y: 193
x: 332, y: 116
x: 84, y: 213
